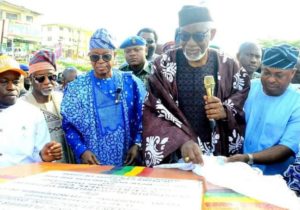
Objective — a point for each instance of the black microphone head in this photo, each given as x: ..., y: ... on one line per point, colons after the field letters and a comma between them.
x: 119, y: 89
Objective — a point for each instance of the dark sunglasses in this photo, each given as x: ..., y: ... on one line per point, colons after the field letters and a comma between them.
x: 150, y: 41
x: 198, y: 36
x: 41, y: 79
x: 96, y: 57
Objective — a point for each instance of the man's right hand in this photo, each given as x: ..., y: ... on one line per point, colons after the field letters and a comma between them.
x: 191, y: 152
x: 89, y: 158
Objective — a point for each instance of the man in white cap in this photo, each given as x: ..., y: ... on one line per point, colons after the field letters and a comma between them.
x: 27, y: 139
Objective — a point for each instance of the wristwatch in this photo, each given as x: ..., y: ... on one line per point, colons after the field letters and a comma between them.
x: 250, y: 161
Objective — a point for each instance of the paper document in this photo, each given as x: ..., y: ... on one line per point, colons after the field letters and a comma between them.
x: 75, y: 190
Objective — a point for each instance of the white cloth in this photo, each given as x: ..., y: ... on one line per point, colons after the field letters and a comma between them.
x: 23, y: 133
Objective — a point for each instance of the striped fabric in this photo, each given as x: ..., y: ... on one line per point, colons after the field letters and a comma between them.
x: 102, y: 39
x: 281, y: 57
x: 42, y: 56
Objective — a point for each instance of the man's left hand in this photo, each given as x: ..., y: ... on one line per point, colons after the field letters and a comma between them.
x: 214, y: 108
x: 132, y: 155
x: 51, y: 151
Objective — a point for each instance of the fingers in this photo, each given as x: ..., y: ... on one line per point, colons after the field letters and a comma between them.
x: 95, y: 160
x: 191, y: 153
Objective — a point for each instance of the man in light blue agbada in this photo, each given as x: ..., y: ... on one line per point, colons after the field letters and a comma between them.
x: 102, y: 110
x: 273, y: 113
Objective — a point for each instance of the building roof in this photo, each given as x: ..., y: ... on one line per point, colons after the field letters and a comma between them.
x: 18, y: 7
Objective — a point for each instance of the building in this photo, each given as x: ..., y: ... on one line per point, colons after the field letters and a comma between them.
x: 20, y: 30
x: 68, y: 41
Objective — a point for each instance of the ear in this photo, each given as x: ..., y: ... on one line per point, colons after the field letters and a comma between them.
x: 212, y: 33
x: 293, y: 74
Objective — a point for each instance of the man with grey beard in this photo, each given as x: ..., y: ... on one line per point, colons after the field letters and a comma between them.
x: 177, y: 112
x: 42, y: 73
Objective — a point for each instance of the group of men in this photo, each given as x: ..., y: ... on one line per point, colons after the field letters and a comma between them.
x: 160, y: 111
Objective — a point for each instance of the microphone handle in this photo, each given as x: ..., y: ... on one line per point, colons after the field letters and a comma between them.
x: 212, y: 124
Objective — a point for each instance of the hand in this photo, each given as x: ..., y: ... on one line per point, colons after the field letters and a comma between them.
x: 191, y: 152
x: 89, y: 158
x: 51, y: 151
x: 132, y: 155
x: 214, y: 108
x: 238, y: 158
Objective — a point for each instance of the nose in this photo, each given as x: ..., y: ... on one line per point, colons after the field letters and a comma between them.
x: 11, y: 86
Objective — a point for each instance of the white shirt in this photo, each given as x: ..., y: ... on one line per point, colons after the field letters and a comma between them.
x: 23, y: 133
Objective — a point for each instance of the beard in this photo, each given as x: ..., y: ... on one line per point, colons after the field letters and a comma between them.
x: 194, y: 56
x: 46, y: 92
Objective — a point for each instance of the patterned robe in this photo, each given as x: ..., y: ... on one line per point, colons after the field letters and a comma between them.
x: 165, y: 126
x: 94, y: 121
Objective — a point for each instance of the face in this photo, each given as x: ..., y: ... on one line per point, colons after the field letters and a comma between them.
x: 10, y: 82
x: 151, y: 43
x: 194, y: 39
x: 275, y: 81
x: 103, y: 66
x: 250, y: 58
x: 135, y: 55
x: 43, y: 82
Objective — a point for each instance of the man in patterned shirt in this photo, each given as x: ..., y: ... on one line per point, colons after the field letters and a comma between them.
x: 177, y: 111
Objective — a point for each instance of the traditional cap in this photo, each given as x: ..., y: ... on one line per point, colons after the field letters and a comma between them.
x: 281, y: 57
x: 193, y: 14
x: 102, y: 39
x: 9, y: 64
x: 42, y: 60
x: 133, y: 41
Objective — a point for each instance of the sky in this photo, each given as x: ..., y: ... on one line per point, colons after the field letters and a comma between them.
x: 236, y: 20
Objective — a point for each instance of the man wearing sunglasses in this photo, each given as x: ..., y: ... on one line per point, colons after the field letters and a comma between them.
x: 177, y: 112
x: 102, y: 110
x: 42, y: 73
x: 151, y: 39
x: 135, y: 54
x: 24, y: 136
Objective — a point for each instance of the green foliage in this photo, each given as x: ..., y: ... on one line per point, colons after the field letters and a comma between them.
x: 84, y: 66
x: 271, y: 42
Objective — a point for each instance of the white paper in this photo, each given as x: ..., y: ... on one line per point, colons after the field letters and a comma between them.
x: 75, y: 190
x: 248, y: 181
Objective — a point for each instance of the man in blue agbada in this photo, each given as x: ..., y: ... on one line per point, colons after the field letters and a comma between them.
x: 102, y: 110
x: 273, y: 113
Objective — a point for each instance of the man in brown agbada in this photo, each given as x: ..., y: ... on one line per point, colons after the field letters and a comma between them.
x: 177, y: 111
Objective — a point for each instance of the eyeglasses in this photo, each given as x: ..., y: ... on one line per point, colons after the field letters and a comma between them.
x: 41, y: 79
x: 198, y: 36
x: 106, y: 57
x: 150, y: 41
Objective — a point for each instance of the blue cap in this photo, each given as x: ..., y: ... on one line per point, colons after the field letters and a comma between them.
x: 24, y: 67
x: 283, y: 56
x: 133, y: 41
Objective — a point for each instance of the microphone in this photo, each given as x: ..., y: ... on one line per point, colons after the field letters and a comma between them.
x: 209, y: 84
x: 118, y: 95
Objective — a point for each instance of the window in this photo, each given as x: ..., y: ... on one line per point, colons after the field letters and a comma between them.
x: 11, y: 16
x: 61, y: 28
x: 49, y: 28
x: 29, y: 19
x: 49, y: 39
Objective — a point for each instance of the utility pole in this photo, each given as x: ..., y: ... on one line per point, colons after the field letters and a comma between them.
x: 2, y: 35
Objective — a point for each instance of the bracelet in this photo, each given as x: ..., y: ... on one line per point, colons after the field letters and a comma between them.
x: 251, y: 160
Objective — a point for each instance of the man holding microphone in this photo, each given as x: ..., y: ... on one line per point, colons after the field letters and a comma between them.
x: 180, y: 119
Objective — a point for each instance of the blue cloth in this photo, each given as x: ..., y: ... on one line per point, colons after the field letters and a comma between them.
x: 133, y: 41
x: 281, y: 57
x: 24, y: 67
x: 272, y: 120
x: 93, y: 121
x: 292, y: 175
x: 102, y: 39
